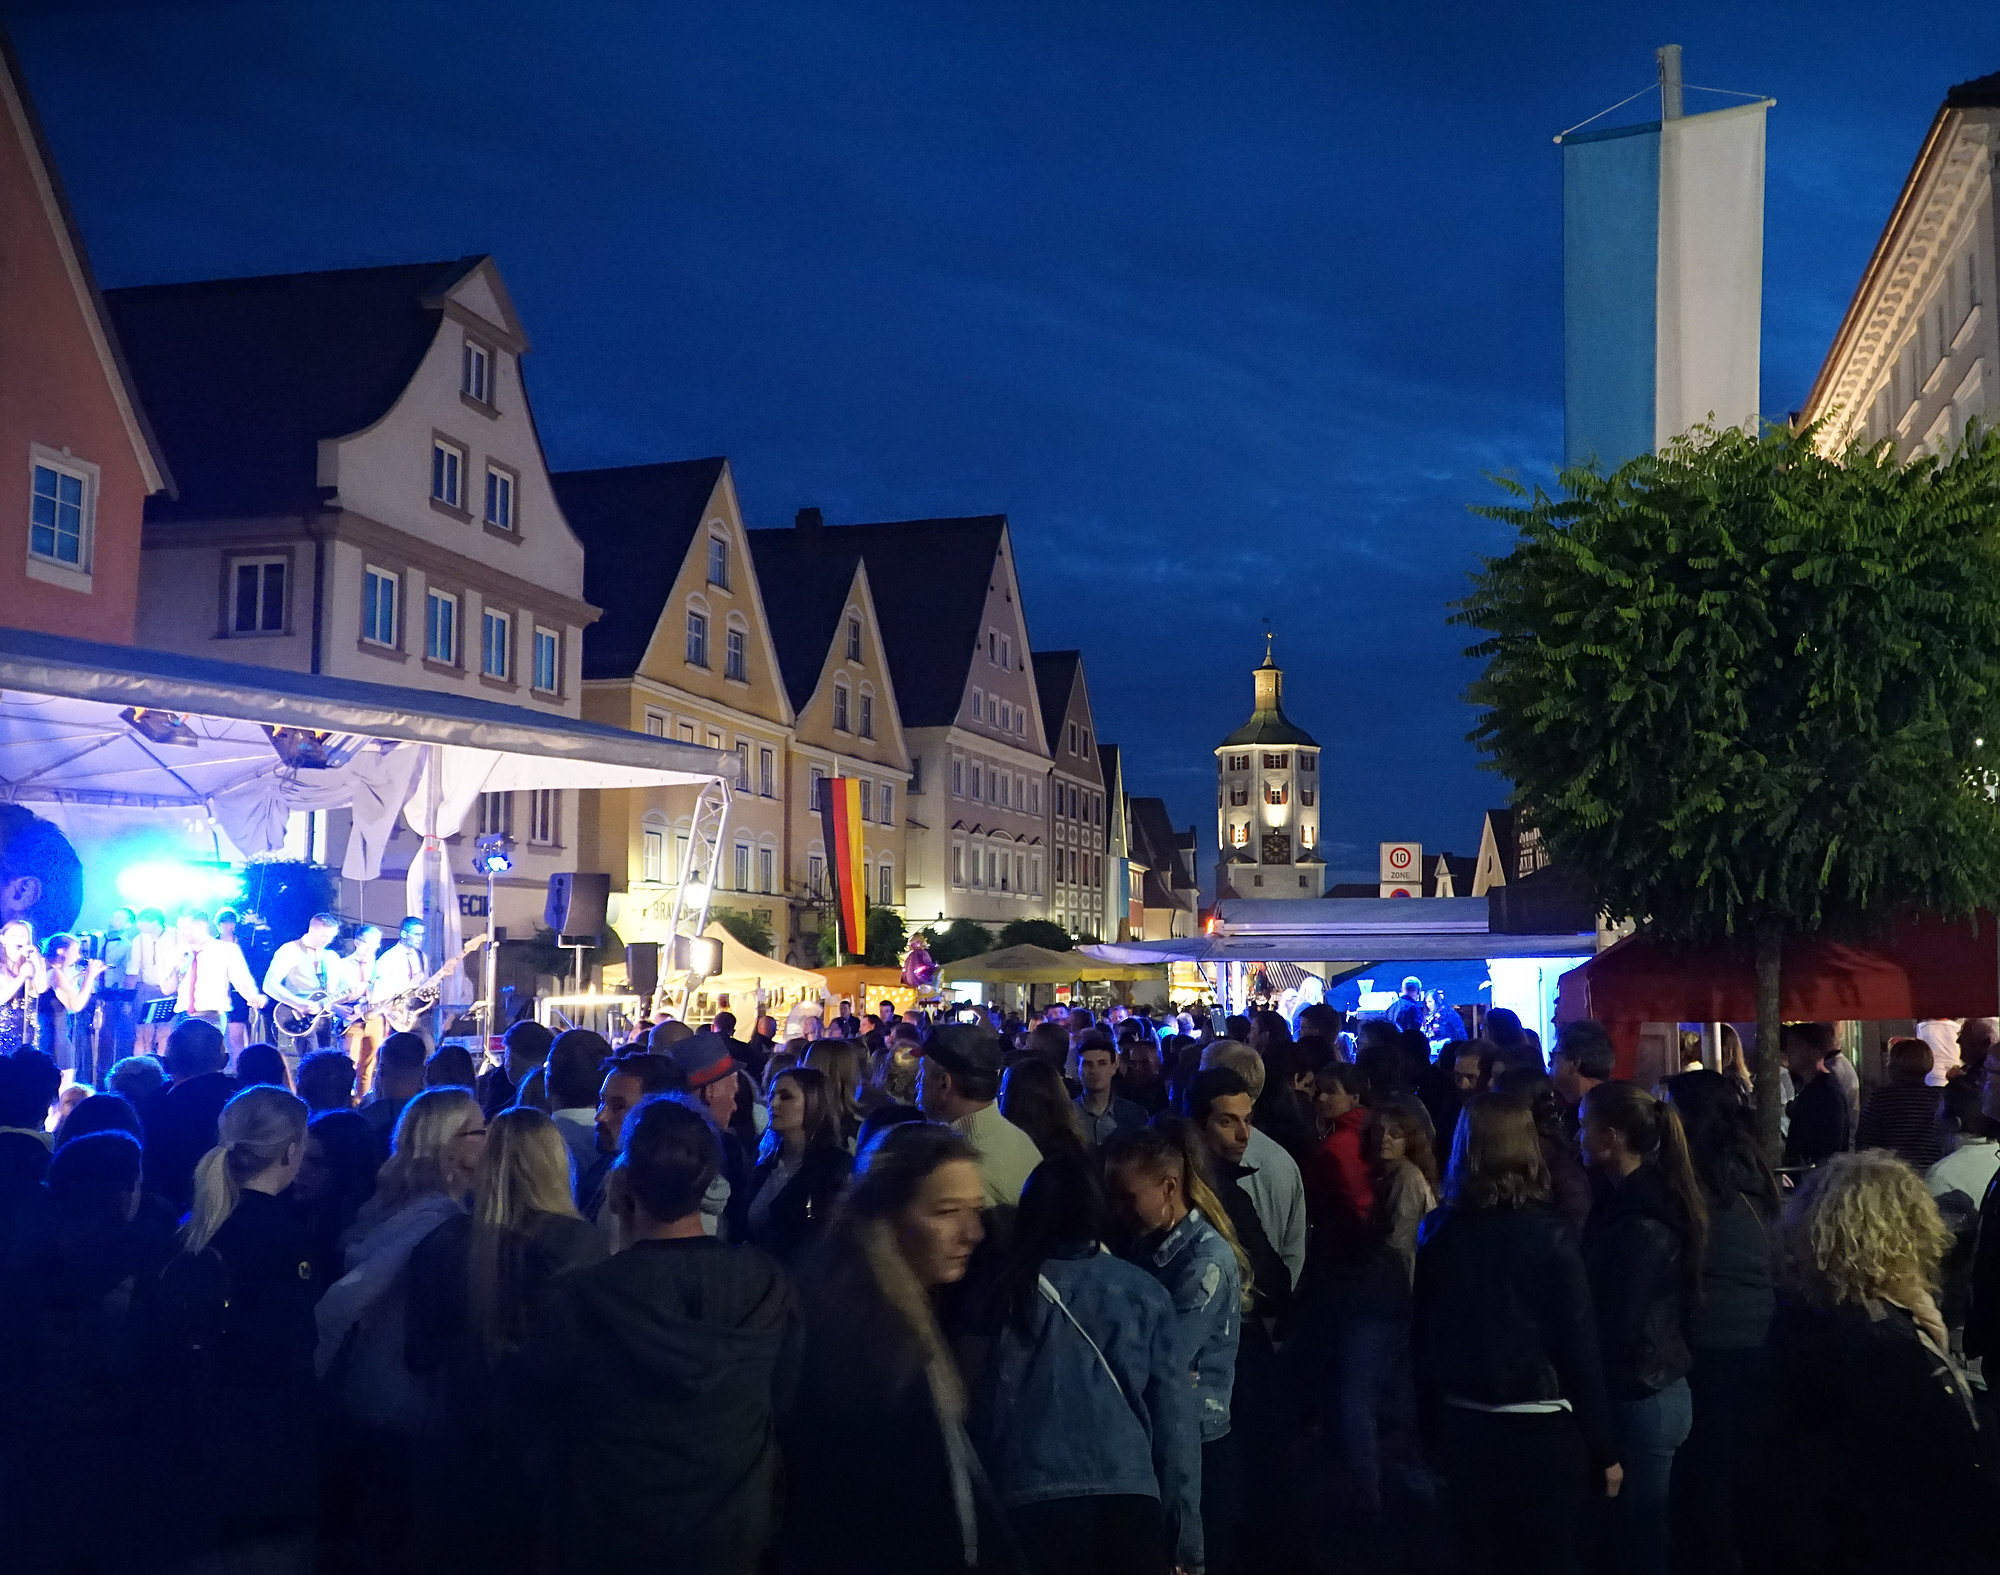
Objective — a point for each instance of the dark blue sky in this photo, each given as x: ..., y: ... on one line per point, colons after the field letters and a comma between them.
x: 1230, y: 305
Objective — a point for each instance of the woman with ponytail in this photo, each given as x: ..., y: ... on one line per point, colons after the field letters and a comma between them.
x: 1644, y: 1248
x: 1159, y: 1182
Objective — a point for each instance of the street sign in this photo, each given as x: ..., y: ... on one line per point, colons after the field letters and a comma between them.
x: 1403, y: 863
x: 1391, y: 888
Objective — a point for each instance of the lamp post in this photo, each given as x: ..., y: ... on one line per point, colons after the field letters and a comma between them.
x: 492, y: 856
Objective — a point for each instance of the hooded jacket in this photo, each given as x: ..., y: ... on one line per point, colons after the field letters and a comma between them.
x: 1632, y: 1249
x: 655, y: 1386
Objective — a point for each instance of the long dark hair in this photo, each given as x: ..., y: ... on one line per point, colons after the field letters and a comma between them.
x: 1722, y: 1139
x: 1034, y: 1097
x: 1652, y: 1130
x: 1496, y: 1156
x: 1172, y: 1147
x: 1063, y: 1209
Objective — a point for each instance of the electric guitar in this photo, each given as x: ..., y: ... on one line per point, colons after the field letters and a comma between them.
x: 402, y: 1010
x: 298, y: 1025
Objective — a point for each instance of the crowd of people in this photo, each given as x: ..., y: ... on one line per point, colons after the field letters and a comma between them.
x: 1122, y: 1296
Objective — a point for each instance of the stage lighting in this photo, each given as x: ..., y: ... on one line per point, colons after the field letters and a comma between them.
x: 179, y: 883
x: 493, y: 854
x: 309, y: 749
x: 161, y: 727
x: 698, y: 955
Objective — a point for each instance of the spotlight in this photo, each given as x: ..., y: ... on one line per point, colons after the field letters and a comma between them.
x: 161, y: 727
x: 178, y: 883
x: 493, y: 854
x: 308, y: 749
x: 698, y: 955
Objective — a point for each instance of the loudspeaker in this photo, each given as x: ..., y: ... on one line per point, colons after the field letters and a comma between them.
x: 642, y: 967
x: 576, y: 904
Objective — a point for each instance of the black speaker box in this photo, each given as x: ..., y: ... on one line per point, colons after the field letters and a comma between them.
x: 642, y: 967
x: 576, y: 904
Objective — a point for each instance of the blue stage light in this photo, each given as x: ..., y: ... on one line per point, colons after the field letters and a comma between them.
x: 179, y: 883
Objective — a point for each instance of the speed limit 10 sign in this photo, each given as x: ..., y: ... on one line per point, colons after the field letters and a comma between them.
x: 1402, y: 861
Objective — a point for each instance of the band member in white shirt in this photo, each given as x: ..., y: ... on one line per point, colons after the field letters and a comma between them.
x: 148, y: 966
x: 305, y: 974
x: 365, y: 1032
x: 205, y: 971
x: 114, y: 994
x: 400, y: 968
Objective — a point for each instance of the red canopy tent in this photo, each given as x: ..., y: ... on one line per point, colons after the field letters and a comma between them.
x: 1919, y: 967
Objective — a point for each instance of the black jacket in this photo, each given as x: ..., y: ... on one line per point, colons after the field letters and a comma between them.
x: 1503, y: 1316
x: 180, y: 1128
x: 1632, y: 1249
x: 802, y: 1207
x: 1859, y: 1384
x: 1737, y: 1298
x: 1270, y: 1280
x: 655, y: 1385
x: 1821, y: 1122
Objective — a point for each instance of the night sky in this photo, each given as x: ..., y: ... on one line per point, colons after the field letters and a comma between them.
x: 1230, y: 306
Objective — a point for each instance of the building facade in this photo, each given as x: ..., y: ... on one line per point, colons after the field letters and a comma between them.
x: 1918, y: 351
x: 846, y: 722
x: 683, y: 651
x: 1124, y: 916
x: 361, y: 493
x: 1267, y: 801
x: 1169, y: 900
x: 1077, y: 798
x: 80, y: 457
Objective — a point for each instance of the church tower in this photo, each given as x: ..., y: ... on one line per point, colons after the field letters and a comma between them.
x: 1267, y: 800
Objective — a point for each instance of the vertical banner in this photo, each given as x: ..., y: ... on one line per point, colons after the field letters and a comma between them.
x: 1611, y: 251
x: 840, y: 814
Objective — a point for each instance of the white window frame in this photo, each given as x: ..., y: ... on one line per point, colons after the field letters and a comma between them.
x: 958, y: 864
x: 653, y: 854
x: 854, y: 637
x: 448, y: 473
x: 767, y: 868
x: 545, y: 817
x: 434, y: 599
x: 263, y: 562
x: 867, y: 799
x: 718, y: 561
x: 735, y: 655
x: 885, y: 873
x: 697, y: 638
x: 496, y: 814
x: 740, y: 866
x: 64, y: 466
x: 886, y: 806
x: 373, y: 575
x: 501, y: 497
x: 842, y: 709
x: 978, y: 705
x: 547, y: 641
x: 958, y: 776
x: 475, y: 378
x: 657, y: 723
x: 490, y: 619
x: 767, y: 761
x: 865, y: 725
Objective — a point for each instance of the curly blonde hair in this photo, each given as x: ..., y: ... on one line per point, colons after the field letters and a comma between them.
x: 1860, y: 1227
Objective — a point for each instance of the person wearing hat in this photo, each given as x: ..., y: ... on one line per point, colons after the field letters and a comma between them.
x: 958, y: 1081
x: 708, y: 1086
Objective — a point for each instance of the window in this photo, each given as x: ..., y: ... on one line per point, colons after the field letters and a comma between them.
x: 380, y: 592
x: 1006, y: 651
x: 1086, y: 743
x: 59, y: 515
x: 767, y: 867
x: 1000, y: 781
x: 1306, y: 834
x: 1239, y: 836
x: 742, y: 866
x: 1072, y: 737
x: 1034, y: 798
x: 957, y: 777
x: 656, y: 724
x: 1238, y: 797
x: 818, y: 799
x: 256, y: 595
x: 733, y: 665
x: 766, y: 763
x: 1239, y: 763
x: 496, y: 814
x: 697, y: 640
x: 978, y: 786
x: 447, y: 474
x: 1020, y: 872
x: 496, y: 644
x: 888, y: 807
x: 993, y: 646
x: 680, y: 865
x: 958, y: 864
x: 1006, y: 717
x: 653, y: 856
x: 476, y: 373
x: 499, y: 499
x: 1306, y: 798
x: 854, y: 639
x: 718, y: 562
x: 743, y: 764
x: 916, y: 773
x: 886, y: 894
x: 978, y: 705
x: 815, y: 874
x: 548, y: 661
x: 840, y: 708
x: 714, y: 739
x: 1276, y: 793
x: 686, y: 730
x: 867, y: 716
x: 867, y: 799
x: 544, y: 816
x: 441, y: 627
x: 1308, y: 763
x: 1276, y: 762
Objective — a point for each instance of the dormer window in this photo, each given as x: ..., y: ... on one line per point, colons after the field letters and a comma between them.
x: 718, y: 563
x: 476, y: 374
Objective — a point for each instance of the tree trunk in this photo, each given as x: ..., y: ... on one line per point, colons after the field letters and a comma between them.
x: 1764, y: 1073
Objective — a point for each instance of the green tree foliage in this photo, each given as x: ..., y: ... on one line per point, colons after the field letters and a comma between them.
x: 747, y: 929
x: 959, y: 940
x: 886, y: 938
x: 1746, y: 690
x: 1045, y: 933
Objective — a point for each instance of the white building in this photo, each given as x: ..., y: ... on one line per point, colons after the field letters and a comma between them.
x: 1267, y: 801
x: 1918, y: 352
x: 362, y: 494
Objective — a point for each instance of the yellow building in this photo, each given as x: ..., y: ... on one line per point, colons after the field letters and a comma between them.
x: 846, y: 720
x: 683, y: 650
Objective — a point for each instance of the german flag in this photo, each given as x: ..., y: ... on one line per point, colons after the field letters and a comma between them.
x: 840, y: 813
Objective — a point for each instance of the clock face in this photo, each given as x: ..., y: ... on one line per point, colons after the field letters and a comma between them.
x: 1277, y: 848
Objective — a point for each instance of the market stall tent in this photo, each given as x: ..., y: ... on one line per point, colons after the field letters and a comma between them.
x: 752, y: 980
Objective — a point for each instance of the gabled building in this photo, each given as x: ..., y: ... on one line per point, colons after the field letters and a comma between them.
x: 1076, y: 795
x: 957, y: 642
x: 361, y: 493
x: 1124, y: 919
x: 79, y: 456
x: 1917, y: 354
x: 846, y: 721
x: 1267, y: 800
x: 684, y: 651
x: 1169, y: 894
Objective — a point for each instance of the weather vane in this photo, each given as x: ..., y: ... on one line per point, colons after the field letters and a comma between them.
x: 1267, y: 639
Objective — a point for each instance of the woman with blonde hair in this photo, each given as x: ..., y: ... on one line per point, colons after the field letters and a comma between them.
x: 381, y: 1405
x: 1865, y: 1372
x: 477, y: 1287
x: 845, y: 1065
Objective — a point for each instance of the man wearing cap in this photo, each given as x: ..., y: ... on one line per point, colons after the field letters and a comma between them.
x: 958, y: 1081
x: 708, y: 1082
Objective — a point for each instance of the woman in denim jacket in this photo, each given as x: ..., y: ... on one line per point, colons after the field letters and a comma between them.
x: 1159, y: 1181
x: 1085, y: 1417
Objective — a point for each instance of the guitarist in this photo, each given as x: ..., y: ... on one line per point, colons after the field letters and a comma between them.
x: 398, y: 971
x: 304, y: 974
x: 365, y: 1030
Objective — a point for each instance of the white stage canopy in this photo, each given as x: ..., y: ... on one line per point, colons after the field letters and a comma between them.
x: 67, y: 739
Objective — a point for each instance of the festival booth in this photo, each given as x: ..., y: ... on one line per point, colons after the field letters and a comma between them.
x: 1918, y: 968
x: 750, y: 984
x: 1033, y: 965
x: 868, y: 988
x: 215, y: 759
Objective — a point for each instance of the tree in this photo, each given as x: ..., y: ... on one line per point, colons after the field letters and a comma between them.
x: 959, y: 940
x: 886, y: 938
x: 1045, y: 933
x: 747, y: 929
x: 1743, y: 689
